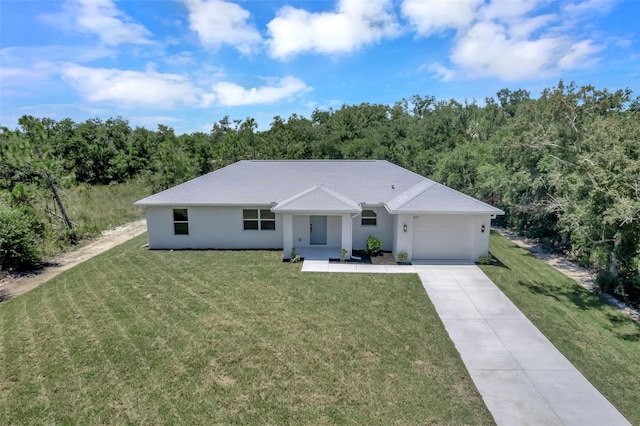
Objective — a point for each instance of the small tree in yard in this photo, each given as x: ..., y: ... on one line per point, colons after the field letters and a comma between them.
x: 30, y: 152
x: 18, y: 234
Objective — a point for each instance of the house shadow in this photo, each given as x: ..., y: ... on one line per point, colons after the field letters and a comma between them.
x: 496, y: 262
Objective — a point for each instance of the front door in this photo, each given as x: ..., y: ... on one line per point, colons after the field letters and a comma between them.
x: 318, y: 229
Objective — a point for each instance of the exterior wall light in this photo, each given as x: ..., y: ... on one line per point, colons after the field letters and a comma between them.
x: 404, y: 228
x: 482, y: 228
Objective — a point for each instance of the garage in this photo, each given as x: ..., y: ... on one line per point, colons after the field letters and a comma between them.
x: 441, y: 237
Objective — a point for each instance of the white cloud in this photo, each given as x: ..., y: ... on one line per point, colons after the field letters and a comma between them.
x: 589, y: 6
x: 182, y: 58
x: 508, y: 39
x: 150, y: 88
x: 487, y: 51
x: 219, y: 22
x: 100, y: 17
x: 28, y: 55
x: 507, y: 10
x: 433, y: 16
x: 231, y: 94
x: 524, y: 28
x: 578, y: 55
x: 130, y: 88
x: 441, y: 72
x: 38, y: 71
x: 355, y: 23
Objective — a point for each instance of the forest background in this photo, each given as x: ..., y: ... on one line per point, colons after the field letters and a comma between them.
x: 565, y: 167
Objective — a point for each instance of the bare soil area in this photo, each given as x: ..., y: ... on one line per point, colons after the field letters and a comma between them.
x: 583, y: 276
x: 13, y: 286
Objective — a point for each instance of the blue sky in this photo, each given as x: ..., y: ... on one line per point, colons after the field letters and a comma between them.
x: 187, y: 64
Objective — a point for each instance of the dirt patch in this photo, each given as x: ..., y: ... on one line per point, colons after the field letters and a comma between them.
x: 583, y: 276
x: 13, y: 286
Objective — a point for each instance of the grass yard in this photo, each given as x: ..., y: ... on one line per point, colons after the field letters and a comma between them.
x: 601, y: 342
x: 220, y: 337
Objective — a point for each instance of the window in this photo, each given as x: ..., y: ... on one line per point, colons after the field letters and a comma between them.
x: 180, y: 222
x: 369, y: 218
x: 262, y: 219
x: 267, y: 220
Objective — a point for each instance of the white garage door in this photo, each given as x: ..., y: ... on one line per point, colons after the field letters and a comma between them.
x: 442, y: 238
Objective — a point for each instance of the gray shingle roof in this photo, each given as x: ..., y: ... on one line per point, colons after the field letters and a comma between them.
x: 438, y: 198
x: 303, y: 183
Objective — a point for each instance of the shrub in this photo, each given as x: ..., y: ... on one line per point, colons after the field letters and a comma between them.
x: 374, y: 246
x: 19, y: 230
x: 485, y: 260
x: 626, y: 288
x: 343, y: 254
x: 295, y: 257
x: 402, y: 258
x: 606, y: 282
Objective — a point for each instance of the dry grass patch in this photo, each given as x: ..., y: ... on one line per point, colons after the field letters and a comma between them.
x: 221, y: 337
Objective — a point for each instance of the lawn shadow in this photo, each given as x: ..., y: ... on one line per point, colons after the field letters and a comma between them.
x: 579, y: 296
x: 4, y: 295
x: 618, y: 321
x: 536, y: 288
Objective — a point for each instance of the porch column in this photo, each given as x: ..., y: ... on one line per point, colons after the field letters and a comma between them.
x: 287, y: 234
x: 347, y: 240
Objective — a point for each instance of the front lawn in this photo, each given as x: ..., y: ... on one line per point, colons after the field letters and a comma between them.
x: 220, y: 337
x: 600, y: 341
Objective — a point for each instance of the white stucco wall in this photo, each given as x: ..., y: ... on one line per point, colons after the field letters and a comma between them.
x: 334, y: 231
x: 404, y: 240
x: 209, y: 227
x: 222, y: 228
x: 382, y: 230
x: 301, y: 233
x: 481, y: 239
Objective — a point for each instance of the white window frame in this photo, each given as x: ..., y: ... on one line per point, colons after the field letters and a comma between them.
x: 364, y: 218
x: 180, y: 222
x: 261, y: 220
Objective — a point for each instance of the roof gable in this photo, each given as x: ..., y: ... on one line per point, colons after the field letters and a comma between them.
x: 437, y: 198
x: 318, y: 198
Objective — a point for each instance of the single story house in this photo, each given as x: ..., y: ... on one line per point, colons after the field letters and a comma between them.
x: 331, y: 205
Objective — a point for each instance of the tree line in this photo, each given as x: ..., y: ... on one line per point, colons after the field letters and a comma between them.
x: 564, y: 166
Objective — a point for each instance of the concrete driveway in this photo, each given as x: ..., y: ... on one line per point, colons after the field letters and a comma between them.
x: 522, y: 377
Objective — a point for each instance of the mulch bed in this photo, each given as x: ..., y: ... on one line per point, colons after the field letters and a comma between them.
x: 383, y: 258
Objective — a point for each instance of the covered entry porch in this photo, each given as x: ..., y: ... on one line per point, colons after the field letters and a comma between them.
x: 316, y: 236
x: 319, y: 253
x: 317, y: 221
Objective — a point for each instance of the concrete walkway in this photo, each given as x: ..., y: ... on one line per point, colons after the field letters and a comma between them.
x: 522, y: 377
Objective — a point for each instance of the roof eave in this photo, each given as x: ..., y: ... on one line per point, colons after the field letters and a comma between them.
x: 450, y: 212
x: 315, y: 212
x: 196, y: 204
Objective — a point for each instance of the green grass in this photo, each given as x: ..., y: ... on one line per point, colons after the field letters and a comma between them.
x: 600, y: 341
x: 224, y: 337
x: 106, y: 206
x: 94, y: 209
